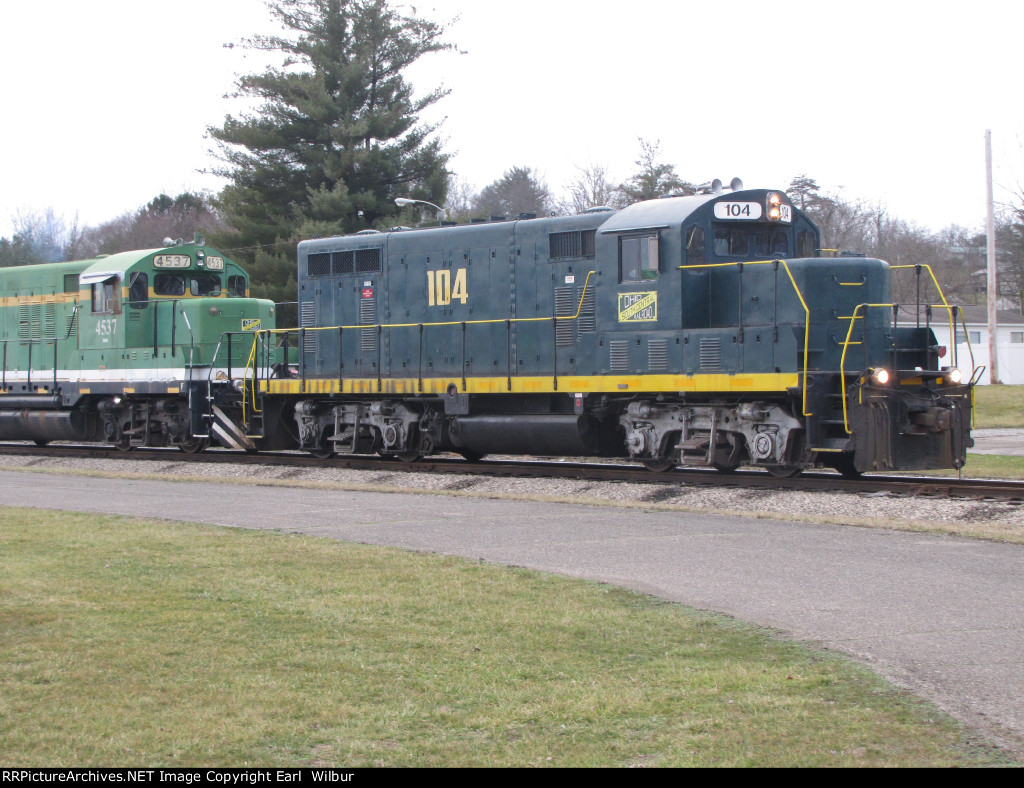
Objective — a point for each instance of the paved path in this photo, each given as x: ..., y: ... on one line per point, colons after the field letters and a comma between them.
x: 940, y: 615
x: 1002, y: 441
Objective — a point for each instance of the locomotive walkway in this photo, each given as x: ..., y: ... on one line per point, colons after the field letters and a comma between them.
x: 939, y: 615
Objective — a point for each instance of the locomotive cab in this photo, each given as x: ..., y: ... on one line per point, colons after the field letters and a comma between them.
x: 136, y: 348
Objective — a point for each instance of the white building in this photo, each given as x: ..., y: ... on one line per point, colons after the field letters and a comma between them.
x: 1009, y: 342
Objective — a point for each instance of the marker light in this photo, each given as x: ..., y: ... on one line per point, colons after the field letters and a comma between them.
x: 881, y: 376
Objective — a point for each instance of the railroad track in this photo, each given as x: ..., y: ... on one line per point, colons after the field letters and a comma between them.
x: 902, y: 485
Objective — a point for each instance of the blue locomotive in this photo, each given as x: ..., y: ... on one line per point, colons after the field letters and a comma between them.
x: 704, y: 330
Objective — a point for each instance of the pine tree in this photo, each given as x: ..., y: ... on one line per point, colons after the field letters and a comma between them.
x: 518, y: 191
x: 337, y: 137
x: 655, y: 179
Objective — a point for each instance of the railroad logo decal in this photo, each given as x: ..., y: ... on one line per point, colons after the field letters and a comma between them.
x: 638, y: 307
x: 250, y: 324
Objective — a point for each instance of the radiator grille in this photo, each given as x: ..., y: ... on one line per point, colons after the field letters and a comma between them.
x: 565, y: 306
x: 711, y: 353
x: 307, y: 319
x: 368, y: 316
x: 588, y: 317
x: 318, y: 264
x: 577, y: 243
x: 619, y: 353
x: 361, y: 261
x: 657, y: 355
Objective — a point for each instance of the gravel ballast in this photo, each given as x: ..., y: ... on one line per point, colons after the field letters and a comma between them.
x: 984, y: 518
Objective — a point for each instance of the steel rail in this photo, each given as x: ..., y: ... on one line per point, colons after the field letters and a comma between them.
x: 910, y: 486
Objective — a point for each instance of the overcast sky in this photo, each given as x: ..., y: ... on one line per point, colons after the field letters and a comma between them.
x: 107, y: 101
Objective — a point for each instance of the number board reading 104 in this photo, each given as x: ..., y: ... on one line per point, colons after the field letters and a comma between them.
x: 749, y: 211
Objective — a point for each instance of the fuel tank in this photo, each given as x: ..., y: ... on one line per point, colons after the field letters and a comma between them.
x: 48, y: 425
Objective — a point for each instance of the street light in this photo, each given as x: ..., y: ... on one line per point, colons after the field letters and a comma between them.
x: 402, y: 202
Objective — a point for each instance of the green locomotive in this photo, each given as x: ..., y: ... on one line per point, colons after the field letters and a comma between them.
x: 144, y: 348
x: 704, y: 330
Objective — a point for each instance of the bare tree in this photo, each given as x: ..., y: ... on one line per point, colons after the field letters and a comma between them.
x: 147, y: 227
x: 461, y: 197
x: 39, y: 237
x: 590, y: 189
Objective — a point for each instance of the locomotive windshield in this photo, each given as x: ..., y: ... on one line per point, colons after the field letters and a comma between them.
x: 204, y: 285
x: 169, y: 285
x: 759, y: 242
x: 198, y: 285
x: 744, y: 241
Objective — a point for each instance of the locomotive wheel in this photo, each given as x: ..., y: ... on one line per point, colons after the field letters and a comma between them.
x: 784, y: 471
x: 40, y: 444
x: 722, y: 468
x: 326, y: 448
x: 660, y: 466
x: 409, y: 456
x: 195, y: 446
x: 472, y: 456
x: 124, y: 443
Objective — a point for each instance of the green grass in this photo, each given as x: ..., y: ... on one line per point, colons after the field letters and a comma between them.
x: 988, y: 466
x: 133, y: 642
x: 999, y: 407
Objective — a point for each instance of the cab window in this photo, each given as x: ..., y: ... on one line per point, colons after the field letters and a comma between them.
x: 106, y: 298
x: 805, y: 244
x: 169, y: 285
x: 236, y: 286
x: 771, y: 243
x: 696, y: 248
x: 138, y: 290
x: 638, y: 258
x: 730, y: 242
x: 204, y: 285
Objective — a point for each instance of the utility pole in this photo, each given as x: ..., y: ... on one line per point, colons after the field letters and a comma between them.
x: 993, y: 289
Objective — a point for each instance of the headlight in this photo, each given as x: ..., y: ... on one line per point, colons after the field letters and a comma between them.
x: 214, y: 311
x: 954, y: 376
x: 881, y: 376
x: 774, y: 206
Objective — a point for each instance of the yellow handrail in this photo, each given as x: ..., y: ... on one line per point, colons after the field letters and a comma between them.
x: 799, y: 295
x: 938, y: 289
x: 849, y: 333
x: 250, y: 380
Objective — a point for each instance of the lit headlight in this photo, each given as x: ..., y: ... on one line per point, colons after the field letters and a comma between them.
x: 774, y: 206
x: 954, y: 376
x: 881, y: 376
